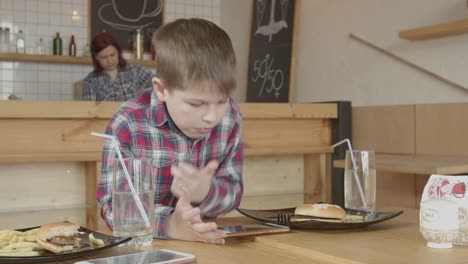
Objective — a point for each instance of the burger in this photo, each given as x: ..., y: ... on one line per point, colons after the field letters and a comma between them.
x: 320, y: 211
x: 58, y: 237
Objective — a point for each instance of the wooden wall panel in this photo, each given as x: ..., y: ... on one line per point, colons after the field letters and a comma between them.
x: 441, y: 129
x: 54, y: 136
x: 265, y: 133
x: 28, y: 196
x: 396, y: 190
x: 385, y: 129
x: 17, y: 220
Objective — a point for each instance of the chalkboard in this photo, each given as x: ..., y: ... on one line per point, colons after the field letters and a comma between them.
x: 270, y: 51
x: 122, y: 18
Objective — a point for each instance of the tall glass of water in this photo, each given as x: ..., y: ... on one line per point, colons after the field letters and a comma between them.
x: 133, y: 210
x: 362, y: 172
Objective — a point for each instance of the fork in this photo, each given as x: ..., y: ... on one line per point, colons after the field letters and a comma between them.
x: 284, y: 216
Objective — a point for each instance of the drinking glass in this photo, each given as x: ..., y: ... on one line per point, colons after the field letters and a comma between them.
x: 363, y: 171
x: 133, y: 212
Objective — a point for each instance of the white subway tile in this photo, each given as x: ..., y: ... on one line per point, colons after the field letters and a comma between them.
x: 55, y: 7
x: 55, y: 19
x: 6, y: 5
x: 7, y: 75
x: 32, y: 5
x: 43, y: 6
x: 43, y: 76
x: 31, y: 17
x: 19, y: 5
x: 32, y: 76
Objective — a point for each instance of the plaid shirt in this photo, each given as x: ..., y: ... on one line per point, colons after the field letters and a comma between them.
x: 131, y: 80
x: 144, y: 128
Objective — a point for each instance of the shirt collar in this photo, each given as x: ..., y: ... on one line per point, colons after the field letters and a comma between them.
x: 158, y: 113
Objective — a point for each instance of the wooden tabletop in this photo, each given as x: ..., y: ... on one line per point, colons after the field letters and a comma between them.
x: 395, y: 241
x: 418, y: 164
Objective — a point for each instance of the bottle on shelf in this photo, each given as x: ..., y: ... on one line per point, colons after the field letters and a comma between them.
x: 20, y: 44
x: 57, y: 45
x: 86, y: 51
x: 1, y: 39
x: 5, y: 45
x: 41, y: 49
x: 72, y: 47
x: 138, y: 45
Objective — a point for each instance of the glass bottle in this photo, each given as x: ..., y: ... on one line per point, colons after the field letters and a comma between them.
x: 2, y: 49
x: 57, y: 45
x: 72, y: 47
x: 138, y: 45
x: 20, y: 45
x: 6, y: 40
x: 41, y: 49
x: 86, y: 50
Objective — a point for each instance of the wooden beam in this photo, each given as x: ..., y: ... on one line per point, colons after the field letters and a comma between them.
x: 436, y: 31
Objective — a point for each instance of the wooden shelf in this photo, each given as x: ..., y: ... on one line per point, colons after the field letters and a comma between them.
x: 62, y: 59
x: 418, y: 164
x: 436, y: 31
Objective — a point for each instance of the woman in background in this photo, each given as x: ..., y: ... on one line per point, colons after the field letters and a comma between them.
x: 113, y: 79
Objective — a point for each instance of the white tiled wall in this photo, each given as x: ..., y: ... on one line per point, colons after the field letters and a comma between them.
x: 41, y: 19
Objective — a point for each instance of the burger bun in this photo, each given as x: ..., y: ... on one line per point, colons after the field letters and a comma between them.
x: 61, y: 230
x: 320, y: 210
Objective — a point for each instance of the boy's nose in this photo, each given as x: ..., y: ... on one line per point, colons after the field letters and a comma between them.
x: 209, y: 116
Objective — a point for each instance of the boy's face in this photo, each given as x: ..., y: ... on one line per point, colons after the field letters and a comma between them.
x: 195, y: 111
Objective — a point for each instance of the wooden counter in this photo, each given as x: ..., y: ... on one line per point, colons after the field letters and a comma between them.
x: 395, y: 241
x: 60, y: 132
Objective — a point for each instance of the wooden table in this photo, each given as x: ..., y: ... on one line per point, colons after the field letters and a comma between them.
x: 395, y: 241
x: 418, y: 164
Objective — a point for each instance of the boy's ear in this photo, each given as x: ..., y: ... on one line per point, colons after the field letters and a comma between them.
x: 159, y: 88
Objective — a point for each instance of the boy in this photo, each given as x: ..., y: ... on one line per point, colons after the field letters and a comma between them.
x: 190, y: 127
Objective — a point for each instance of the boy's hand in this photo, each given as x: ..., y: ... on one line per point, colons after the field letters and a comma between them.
x: 197, y: 180
x: 185, y: 223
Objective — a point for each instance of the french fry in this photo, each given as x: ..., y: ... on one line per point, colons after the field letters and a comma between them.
x: 32, y: 231
x: 18, y: 244
x: 22, y: 245
x: 20, y: 254
x: 95, y: 241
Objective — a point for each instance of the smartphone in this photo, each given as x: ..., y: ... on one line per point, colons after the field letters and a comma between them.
x: 253, y: 229
x: 160, y: 256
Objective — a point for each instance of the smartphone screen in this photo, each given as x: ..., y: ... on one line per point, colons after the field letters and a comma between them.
x: 161, y: 256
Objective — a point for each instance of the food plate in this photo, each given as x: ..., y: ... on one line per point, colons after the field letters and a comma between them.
x: 84, y: 249
x: 367, y: 219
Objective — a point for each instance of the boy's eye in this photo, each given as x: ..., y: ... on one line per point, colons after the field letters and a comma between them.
x: 195, y: 104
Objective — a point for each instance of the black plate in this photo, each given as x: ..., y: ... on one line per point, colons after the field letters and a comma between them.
x: 84, y: 249
x: 271, y: 217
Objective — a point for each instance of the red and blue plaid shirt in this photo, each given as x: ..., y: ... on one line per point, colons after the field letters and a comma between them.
x: 144, y: 129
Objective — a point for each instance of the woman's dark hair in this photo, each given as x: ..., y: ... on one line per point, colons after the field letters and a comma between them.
x: 100, y: 42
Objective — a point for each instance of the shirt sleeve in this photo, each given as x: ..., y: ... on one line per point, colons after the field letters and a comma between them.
x: 88, y: 90
x: 118, y: 128
x: 226, y: 189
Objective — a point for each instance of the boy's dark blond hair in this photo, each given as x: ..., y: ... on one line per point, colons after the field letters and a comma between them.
x: 195, y: 51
